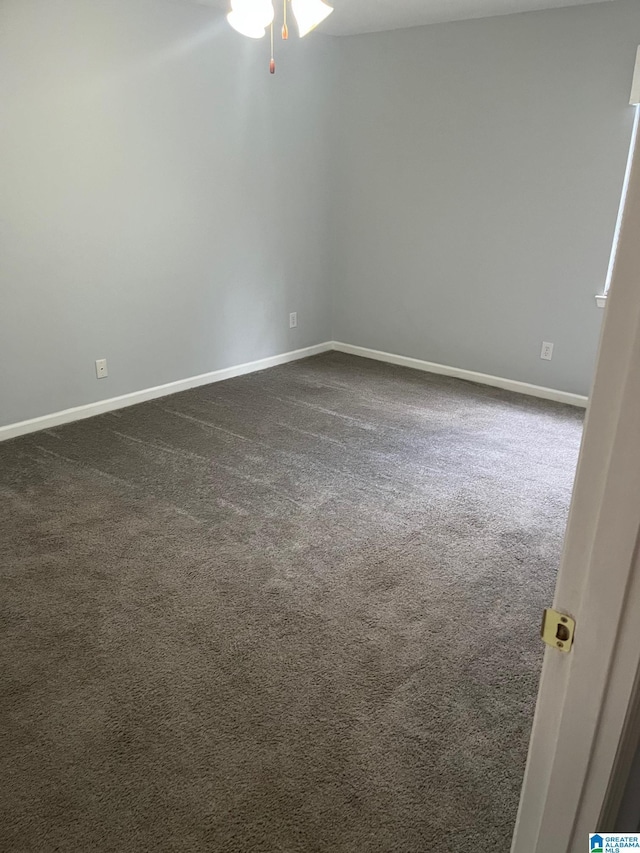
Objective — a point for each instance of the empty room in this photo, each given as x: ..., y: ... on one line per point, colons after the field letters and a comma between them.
x: 300, y: 312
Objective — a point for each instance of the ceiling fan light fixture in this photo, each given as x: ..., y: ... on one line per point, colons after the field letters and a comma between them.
x: 309, y: 13
x: 244, y: 25
x: 251, y: 17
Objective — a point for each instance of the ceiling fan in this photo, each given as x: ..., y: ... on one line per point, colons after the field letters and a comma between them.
x: 252, y: 17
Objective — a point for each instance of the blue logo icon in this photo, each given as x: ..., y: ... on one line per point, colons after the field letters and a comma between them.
x: 596, y: 843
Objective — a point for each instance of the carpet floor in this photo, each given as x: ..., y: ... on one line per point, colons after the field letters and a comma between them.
x: 295, y: 611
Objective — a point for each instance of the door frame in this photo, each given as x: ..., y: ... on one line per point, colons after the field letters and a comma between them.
x: 586, y: 697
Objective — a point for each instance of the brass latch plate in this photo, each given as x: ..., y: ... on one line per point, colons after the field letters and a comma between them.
x: 558, y: 629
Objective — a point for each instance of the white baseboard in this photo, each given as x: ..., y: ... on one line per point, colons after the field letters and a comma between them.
x: 470, y: 375
x: 90, y: 409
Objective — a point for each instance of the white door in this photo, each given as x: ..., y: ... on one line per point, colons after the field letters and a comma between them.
x: 585, y: 695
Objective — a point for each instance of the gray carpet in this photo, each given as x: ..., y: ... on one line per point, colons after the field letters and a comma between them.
x: 295, y: 611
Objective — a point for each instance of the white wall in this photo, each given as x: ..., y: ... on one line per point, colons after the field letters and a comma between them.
x: 477, y: 185
x: 163, y: 199
x: 165, y: 202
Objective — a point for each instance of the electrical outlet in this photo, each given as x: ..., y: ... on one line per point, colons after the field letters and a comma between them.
x: 101, y: 368
x: 293, y: 320
x: 547, y: 351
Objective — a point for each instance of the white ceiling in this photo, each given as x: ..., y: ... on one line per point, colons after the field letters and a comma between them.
x: 368, y: 16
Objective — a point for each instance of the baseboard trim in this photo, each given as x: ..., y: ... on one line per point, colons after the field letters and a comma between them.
x: 112, y: 403
x: 469, y: 375
x: 101, y: 406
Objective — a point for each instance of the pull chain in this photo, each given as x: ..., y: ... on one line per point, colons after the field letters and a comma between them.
x: 272, y: 64
x: 285, y: 28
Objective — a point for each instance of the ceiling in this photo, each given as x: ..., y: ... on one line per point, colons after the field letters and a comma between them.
x: 367, y: 16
